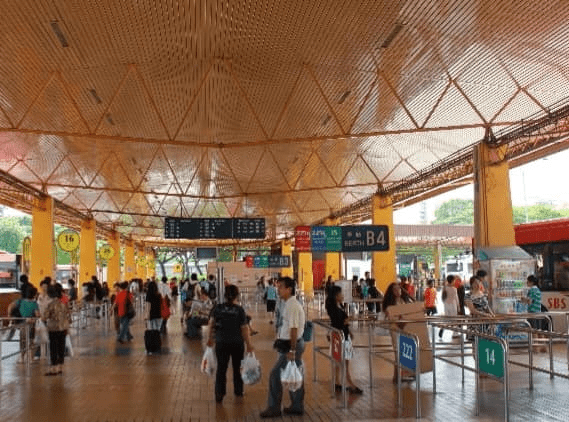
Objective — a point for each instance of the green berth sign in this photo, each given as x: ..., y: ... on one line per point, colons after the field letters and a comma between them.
x: 490, y: 357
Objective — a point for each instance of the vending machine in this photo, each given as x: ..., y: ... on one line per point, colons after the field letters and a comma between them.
x: 508, y: 269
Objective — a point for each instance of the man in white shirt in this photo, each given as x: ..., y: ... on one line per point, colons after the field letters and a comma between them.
x: 290, y: 346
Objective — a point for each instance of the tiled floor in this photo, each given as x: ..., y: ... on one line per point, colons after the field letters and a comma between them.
x: 107, y: 381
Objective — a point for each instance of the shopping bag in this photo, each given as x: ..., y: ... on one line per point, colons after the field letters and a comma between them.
x: 209, y: 362
x: 250, y: 369
x: 68, y: 346
x: 291, y: 376
x: 348, y: 349
x: 42, y: 336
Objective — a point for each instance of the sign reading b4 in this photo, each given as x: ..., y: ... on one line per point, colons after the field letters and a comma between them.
x: 365, y: 238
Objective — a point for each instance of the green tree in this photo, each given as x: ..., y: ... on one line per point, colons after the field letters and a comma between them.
x: 11, y: 234
x: 455, y: 211
x: 536, y: 212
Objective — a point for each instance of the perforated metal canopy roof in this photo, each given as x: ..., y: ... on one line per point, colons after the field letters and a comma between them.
x: 130, y: 111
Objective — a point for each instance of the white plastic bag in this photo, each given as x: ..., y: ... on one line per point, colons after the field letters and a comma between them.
x: 250, y: 369
x: 209, y: 362
x: 68, y: 346
x: 41, y: 336
x: 291, y: 376
x: 348, y: 349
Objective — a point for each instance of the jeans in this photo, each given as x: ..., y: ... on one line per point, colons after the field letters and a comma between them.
x: 124, y: 333
x: 275, y: 386
x: 223, y: 352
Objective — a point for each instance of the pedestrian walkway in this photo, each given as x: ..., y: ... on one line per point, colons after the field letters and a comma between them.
x: 108, y: 381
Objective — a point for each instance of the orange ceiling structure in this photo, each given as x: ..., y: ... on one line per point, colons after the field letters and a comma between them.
x: 288, y: 110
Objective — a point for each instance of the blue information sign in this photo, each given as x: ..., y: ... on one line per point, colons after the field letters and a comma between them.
x: 318, y: 238
x: 407, y: 352
x: 261, y: 261
x: 365, y: 238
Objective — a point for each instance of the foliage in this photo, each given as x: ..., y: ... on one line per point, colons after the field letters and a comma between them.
x: 537, y: 212
x: 455, y: 211
x: 11, y: 234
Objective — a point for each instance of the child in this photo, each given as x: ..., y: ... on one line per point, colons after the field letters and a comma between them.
x: 430, y: 298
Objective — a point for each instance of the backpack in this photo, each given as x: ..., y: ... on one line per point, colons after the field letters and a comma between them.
x: 445, y: 294
x: 15, y: 312
x: 212, y: 293
x: 373, y: 292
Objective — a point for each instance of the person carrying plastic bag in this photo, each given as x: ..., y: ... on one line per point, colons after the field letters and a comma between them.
x: 290, y: 346
x: 228, y: 324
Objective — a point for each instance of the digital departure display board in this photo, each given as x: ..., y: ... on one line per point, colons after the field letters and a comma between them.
x: 214, y: 228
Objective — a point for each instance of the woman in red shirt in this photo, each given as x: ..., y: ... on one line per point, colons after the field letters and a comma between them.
x: 124, y: 319
x: 430, y: 298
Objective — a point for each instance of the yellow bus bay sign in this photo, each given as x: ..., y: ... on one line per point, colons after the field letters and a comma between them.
x: 68, y: 240
x: 106, y: 252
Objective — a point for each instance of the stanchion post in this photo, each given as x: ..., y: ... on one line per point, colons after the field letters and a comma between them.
x: 477, y: 376
x: 370, y: 352
x: 434, y: 346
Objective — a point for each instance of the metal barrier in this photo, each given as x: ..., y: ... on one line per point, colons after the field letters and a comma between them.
x: 23, y: 325
x: 334, y: 352
x: 408, y: 355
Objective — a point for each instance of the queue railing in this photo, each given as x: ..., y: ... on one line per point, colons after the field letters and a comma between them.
x: 23, y: 326
x: 333, y: 351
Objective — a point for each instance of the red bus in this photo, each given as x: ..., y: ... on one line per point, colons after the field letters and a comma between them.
x: 548, y: 242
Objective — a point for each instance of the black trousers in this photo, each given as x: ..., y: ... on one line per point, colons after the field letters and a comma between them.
x: 224, y: 352
x: 57, y: 347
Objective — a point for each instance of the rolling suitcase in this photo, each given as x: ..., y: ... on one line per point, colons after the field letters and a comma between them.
x: 152, y: 341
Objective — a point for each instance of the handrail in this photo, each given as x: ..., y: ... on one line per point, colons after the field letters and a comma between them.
x: 333, y: 363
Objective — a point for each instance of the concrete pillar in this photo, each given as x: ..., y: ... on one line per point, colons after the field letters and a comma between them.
x: 150, y: 264
x: 305, y: 280
x: 493, y: 216
x: 88, y: 252
x: 114, y: 264
x: 383, y: 267
x: 333, y: 260
x: 438, y: 253
x: 286, y: 249
x: 129, y: 264
x: 140, y: 262
x: 43, y: 242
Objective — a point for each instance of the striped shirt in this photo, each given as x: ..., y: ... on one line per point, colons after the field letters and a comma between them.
x: 534, y: 294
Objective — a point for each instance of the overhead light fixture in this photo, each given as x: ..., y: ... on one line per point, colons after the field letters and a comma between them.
x: 394, y: 32
x: 326, y: 120
x: 344, y: 96
x: 95, y: 96
x: 59, y: 33
x: 110, y: 119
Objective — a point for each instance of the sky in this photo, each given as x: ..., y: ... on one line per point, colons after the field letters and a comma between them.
x: 541, y: 181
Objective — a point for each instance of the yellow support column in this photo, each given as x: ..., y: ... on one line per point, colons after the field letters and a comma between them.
x: 88, y: 252
x: 493, y: 216
x: 333, y: 260
x: 383, y: 263
x: 114, y: 264
x: 305, y: 280
x: 150, y: 263
x: 286, y: 248
x: 438, y: 255
x: 42, y: 245
x: 129, y: 264
x: 141, y: 264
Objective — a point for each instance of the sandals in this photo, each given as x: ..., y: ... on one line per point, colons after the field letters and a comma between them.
x: 355, y: 390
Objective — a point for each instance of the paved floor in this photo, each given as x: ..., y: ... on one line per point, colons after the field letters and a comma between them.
x: 107, y: 381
